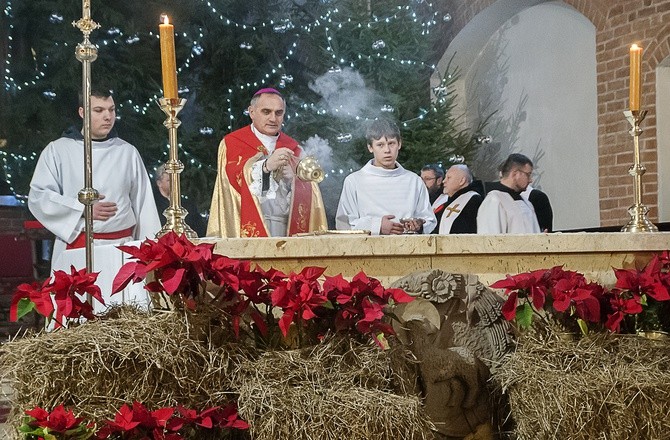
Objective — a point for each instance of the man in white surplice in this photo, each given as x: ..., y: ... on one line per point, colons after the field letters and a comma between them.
x: 503, y: 210
x: 383, y: 197
x: 126, y: 209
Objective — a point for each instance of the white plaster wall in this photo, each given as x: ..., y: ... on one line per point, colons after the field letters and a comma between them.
x: 663, y: 138
x: 536, y: 69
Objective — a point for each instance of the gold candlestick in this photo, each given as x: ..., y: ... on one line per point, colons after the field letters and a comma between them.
x: 638, y: 212
x: 86, y: 53
x: 174, y: 214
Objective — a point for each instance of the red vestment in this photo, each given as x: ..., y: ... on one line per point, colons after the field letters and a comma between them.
x: 236, y: 212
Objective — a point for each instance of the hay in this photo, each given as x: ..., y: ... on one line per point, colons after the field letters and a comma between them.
x: 98, y: 366
x: 337, y: 389
x: 601, y: 387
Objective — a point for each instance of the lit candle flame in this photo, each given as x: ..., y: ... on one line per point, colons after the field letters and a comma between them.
x: 165, y: 19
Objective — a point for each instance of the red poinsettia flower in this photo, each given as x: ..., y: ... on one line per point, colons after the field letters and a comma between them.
x: 621, y: 307
x: 648, y: 281
x: 529, y: 284
x: 60, y: 297
x: 179, y: 265
x: 360, y: 304
x: 31, y: 296
x: 571, y: 290
x: 215, y: 417
x: 58, y: 421
x: 298, y: 296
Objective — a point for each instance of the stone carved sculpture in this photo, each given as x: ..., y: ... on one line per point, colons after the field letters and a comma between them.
x: 456, y: 329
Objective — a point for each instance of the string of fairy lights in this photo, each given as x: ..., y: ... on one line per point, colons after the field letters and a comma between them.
x: 326, y: 23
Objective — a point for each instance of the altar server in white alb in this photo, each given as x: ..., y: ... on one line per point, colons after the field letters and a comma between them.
x: 503, y: 210
x: 126, y: 209
x: 382, y: 193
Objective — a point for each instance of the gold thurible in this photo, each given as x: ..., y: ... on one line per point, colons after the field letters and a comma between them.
x: 306, y: 169
x: 638, y: 212
x: 309, y: 170
x: 174, y: 214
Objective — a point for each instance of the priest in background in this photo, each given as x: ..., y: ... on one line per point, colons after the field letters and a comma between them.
x: 457, y: 214
x: 256, y: 193
x: 503, y: 210
x: 433, y: 176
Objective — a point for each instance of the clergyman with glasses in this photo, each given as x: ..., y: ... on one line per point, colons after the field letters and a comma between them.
x: 503, y: 210
x: 433, y: 176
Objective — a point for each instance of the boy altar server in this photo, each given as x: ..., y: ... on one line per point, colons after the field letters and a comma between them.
x: 382, y: 193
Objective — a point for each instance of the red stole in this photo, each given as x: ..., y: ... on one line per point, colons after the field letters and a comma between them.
x: 242, y: 145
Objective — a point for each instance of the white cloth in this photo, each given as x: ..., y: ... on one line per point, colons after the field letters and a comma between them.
x: 374, y: 192
x: 118, y: 174
x: 276, y: 201
x: 107, y: 260
x: 500, y: 213
x: 439, y: 201
x: 526, y: 193
x: 449, y: 216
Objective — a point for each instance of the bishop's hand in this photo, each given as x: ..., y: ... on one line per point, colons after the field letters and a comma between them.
x: 278, y: 159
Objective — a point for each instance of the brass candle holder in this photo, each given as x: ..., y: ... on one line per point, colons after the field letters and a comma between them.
x: 638, y: 212
x: 175, y: 214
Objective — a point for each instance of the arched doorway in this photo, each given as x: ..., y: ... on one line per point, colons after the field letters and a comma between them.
x: 533, y: 63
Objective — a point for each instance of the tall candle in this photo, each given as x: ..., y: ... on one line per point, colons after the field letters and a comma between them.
x: 635, y: 82
x: 168, y: 59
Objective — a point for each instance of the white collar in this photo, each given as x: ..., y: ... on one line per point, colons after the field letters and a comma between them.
x: 269, y: 142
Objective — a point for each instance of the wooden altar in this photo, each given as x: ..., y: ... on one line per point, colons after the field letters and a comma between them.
x: 489, y: 256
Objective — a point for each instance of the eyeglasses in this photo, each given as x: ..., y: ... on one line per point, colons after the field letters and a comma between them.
x: 428, y: 179
x: 528, y: 174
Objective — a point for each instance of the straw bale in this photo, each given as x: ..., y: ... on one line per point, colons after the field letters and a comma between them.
x: 600, y: 387
x: 338, y: 360
x: 157, y: 359
x: 305, y: 412
x: 337, y: 389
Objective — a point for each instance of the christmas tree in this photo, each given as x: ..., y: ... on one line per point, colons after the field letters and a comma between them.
x: 339, y: 64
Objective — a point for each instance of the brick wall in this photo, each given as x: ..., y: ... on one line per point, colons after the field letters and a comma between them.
x: 619, y: 23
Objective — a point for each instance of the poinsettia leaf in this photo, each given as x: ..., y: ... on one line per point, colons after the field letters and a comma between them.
x: 381, y: 341
x: 312, y: 272
x: 206, y: 422
x: 172, y: 279
x: 20, y: 309
x: 400, y: 296
x: 135, y: 251
x: 162, y: 415
x: 507, y: 283
x: 524, y: 315
x: 509, y: 308
x: 124, y: 276
x: 583, y: 326
x: 124, y: 418
x: 285, y: 322
x: 260, y: 322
